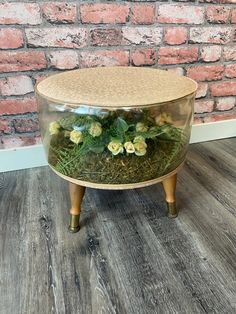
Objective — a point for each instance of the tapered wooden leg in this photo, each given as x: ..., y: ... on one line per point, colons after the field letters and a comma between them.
x: 169, y: 186
x: 76, y: 197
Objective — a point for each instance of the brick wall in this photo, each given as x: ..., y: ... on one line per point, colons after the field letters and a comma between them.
x: 38, y: 38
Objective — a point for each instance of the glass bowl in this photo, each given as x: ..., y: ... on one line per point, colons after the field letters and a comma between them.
x: 115, y: 126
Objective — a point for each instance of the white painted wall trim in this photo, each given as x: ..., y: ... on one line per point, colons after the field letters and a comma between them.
x: 22, y: 158
x: 33, y: 156
x: 213, y: 131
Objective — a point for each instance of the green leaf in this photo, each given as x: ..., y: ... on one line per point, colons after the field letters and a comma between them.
x: 95, y: 144
x: 121, y: 125
x: 170, y: 133
x: 117, y: 139
x: 97, y: 148
x: 151, y: 133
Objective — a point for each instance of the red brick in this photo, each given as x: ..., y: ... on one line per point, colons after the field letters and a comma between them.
x: 18, y: 141
x: 178, y: 71
x: 22, y: 61
x: 143, y: 13
x: 197, y: 120
x: 144, y: 57
x: 104, y: 58
x: 219, y: 1
x: 25, y: 125
x: 230, y: 70
x: 206, y: 73
x: 68, y: 37
x: 219, y: 117
x: 17, y: 106
x: 233, y: 16
x: 210, y: 53
x: 175, y: 35
x: 141, y: 36
x: 202, y: 106
x: 106, y: 37
x: 202, y: 90
x: 229, y: 53
x: 225, y: 103
x: 177, y: 55
x: 101, y: 13
x: 56, y: 12
x: 217, y: 14
x: 11, y: 38
x: 38, y: 139
x: 20, y: 13
x: 64, y: 59
x: 213, y: 35
x: 179, y: 13
x: 5, y: 126
x: 227, y: 88
x: 40, y: 77
x: 16, y: 85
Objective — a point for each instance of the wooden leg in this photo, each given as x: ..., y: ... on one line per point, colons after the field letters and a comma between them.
x: 76, y: 197
x: 169, y: 186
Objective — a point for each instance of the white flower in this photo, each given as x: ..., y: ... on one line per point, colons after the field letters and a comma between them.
x: 140, y: 148
x: 76, y: 137
x: 95, y: 129
x: 129, y: 147
x: 115, y: 147
x: 163, y: 118
x: 54, y: 128
x: 141, y: 127
x: 139, y: 139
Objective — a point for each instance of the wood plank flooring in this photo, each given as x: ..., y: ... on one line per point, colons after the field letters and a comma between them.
x: 128, y: 258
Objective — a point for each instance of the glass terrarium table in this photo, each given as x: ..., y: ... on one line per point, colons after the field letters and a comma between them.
x: 116, y: 128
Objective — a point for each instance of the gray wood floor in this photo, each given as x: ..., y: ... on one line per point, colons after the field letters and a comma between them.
x: 128, y: 257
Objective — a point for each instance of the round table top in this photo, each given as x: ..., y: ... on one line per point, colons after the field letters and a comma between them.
x: 115, y: 87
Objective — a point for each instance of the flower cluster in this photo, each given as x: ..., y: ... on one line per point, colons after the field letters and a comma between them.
x: 95, y: 130
x: 112, y: 132
x: 138, y: 146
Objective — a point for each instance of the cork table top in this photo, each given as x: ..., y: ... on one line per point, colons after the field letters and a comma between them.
x: 115, y: 87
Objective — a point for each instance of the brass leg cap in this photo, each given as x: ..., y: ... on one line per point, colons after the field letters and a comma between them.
x: 74, y: 223
x: 172, y: 210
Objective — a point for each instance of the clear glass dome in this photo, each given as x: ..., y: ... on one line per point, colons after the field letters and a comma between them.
x: 117, y: 143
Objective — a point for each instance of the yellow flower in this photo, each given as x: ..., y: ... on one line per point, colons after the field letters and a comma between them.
x: 140, y: 148
x: 163, y: 118
x: 139, y: 139
x: 76, y: 137
x: 54, y: 128
x: 95, y: 129
x: 115, y: 147
x: 141, y: 127
x: 129, y: 146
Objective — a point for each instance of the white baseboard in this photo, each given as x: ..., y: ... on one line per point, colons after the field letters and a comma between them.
x: 33, y: 156
x: 213, y: 131
x: 22, y: 158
